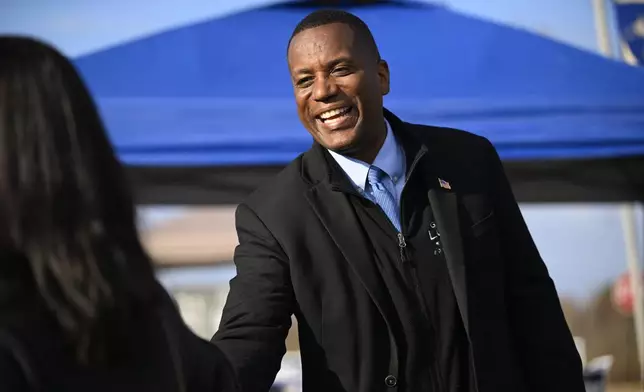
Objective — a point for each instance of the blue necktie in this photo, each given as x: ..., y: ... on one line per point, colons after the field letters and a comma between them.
x: 381, y: 190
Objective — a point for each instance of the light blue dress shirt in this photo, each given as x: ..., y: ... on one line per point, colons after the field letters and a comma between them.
x: 390, y: 159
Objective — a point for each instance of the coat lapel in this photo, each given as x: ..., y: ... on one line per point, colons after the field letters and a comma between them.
x: 445, y: 208
x: 334, y: 211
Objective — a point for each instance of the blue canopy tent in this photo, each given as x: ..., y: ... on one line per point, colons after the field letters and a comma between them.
x: 203, y: 113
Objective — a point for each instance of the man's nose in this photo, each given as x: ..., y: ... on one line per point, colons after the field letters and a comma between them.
x: 324, y: 88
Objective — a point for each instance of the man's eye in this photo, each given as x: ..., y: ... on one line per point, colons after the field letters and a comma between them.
x: 342, y: 71
x: 304, y: 82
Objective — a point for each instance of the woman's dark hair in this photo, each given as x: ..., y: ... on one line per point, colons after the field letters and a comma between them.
x: 64, y: 199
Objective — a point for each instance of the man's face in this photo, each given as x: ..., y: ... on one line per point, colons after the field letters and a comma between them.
x: 339, y: 84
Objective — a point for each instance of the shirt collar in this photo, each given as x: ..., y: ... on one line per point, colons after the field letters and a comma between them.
x: 390, y: 159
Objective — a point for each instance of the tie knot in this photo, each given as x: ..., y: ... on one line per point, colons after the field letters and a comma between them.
x: 376, y: 174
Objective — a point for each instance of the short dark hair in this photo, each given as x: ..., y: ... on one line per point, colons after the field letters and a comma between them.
x: 328, y: 16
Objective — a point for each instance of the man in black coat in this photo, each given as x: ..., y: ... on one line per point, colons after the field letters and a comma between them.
x: 399, y: 247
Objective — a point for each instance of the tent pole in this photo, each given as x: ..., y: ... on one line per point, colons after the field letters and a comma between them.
x: 629, y: 228
x: 601, y: 26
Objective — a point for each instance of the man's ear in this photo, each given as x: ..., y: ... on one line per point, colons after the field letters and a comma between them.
x: 383, y: 75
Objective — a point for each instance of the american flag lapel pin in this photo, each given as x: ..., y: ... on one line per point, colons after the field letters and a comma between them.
x: 444, y: 184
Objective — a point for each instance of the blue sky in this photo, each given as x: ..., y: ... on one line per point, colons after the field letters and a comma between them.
x: 81, y: 26
x: 582, y: 244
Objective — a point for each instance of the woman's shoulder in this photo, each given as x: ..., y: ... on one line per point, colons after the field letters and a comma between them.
x: 202, y: 364
x: 158, y: 339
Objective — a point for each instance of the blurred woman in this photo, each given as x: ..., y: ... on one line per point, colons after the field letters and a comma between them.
x: 80, y: 308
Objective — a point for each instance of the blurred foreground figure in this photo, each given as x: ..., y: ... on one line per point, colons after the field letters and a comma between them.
x: 399, y: 247
x: 80, y: 309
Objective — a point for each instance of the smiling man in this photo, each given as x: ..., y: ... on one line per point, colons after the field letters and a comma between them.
x: 399, y: 247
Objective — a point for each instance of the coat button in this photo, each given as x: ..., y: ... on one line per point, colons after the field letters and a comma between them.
x: 391, y: 381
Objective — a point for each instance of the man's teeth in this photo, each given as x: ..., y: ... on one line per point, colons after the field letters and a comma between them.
x: 334, y: 112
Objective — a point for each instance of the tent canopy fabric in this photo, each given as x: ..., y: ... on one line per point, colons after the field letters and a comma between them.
x: 218, y: 93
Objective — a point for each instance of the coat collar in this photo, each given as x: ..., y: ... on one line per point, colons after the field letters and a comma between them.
x: 390, y: 159
x: 320, y: 167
